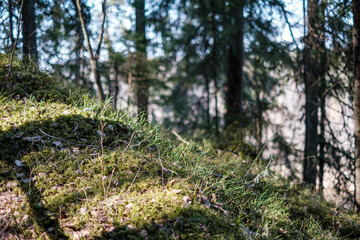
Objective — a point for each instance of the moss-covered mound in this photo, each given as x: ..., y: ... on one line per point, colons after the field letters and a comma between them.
x: 71, y: 168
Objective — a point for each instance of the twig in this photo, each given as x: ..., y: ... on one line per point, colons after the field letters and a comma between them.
x: 162, y: 166
x: 262, y: 149
x: 137, y: 173
x: 131, y: 138
x: 78, y: 144
x: 180, y: 138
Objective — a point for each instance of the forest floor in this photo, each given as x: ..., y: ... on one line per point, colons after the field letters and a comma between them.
x: 72, y: 168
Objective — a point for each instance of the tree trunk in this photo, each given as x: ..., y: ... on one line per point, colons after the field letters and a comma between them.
x: 11, y: 31
x: 94, y: 58
x: 214, y: 65
x: 207, y: 80
x: 142, y: 88
x: 96, y: 74
x: 78, y: 47
x: 312, y: 66
x: 356, y: 49
x: 235, y: 68
x: 117, y: 87
x: 322, y: 96
x: 259, y: 117
x: 29, y: 31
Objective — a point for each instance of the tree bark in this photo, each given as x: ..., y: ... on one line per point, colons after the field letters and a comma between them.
x: 11, y: 31
x: 322, y: 95
x: 207, y: 80
x: 29, y: 31
x: 259, y: 108
x: 78, y: 46
x: 142, y: 88
x: 117, y: 87
x: 214, y: 64
x: 235, y: 68
x: 312, y: 66
x: 94, y: 58
x: 356, y: 56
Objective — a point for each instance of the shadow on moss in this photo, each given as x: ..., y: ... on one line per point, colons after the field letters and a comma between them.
x: 56, y: 158
x: 30, y: 141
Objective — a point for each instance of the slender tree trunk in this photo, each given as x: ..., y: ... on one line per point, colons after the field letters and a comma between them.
x: 29, y: 31
x: 142, y: 88
x: 356, y: 50
x: 78, y: 47
x: 11, y: 30
x: 258, y: 112
x: 94, y: 57
x: 96, y: 73
x: 207, y: 89
x: 322, y: 143
x: 235, y: 68
x: 207, y: 80
x: 214, y: 64
x: 116, y: 90
x: 322, y: 97
x: 312, y: 65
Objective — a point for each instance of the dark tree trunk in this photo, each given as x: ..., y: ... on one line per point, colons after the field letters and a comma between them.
x: 116, y: 88
x: 322, y: 96
x: 79, y: 43
x: 312, y: 66
x: 207, y: 89
x: 207, y: 80
x: 235, y: 68
x: 29, y: 31
x: 142, y: 88
x: 11, y: 30
x: 322, y: 142
x: 259, y: 117
x: 79, y: 46
x: 214, y: 64
x: 356, y: 49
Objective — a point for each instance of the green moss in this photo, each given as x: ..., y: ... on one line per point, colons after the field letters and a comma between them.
x: 98, y: 173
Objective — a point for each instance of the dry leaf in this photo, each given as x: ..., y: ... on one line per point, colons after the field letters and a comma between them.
x: 130, y: 227
x: 129, y: 206
x: 187, y: 201
x: 176, y: 191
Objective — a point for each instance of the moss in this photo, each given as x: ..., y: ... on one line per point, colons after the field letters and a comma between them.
x: 93, y: 172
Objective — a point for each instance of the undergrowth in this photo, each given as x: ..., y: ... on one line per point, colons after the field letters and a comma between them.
x: 73, y: 168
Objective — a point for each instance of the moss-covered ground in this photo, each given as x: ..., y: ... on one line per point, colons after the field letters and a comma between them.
x: 71, y: 168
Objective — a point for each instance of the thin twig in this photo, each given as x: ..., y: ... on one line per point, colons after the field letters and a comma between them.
x: 78, y: 144
x: 162, y: 166
x: 262, y: 149
x: 180, y: 138
x: 101, y: 34
x: 131, y: 138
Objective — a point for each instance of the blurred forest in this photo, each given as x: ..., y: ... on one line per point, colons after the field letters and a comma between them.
x: 274, y: 78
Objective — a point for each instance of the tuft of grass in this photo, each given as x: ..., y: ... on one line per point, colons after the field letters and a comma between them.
x: 80, y: 170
